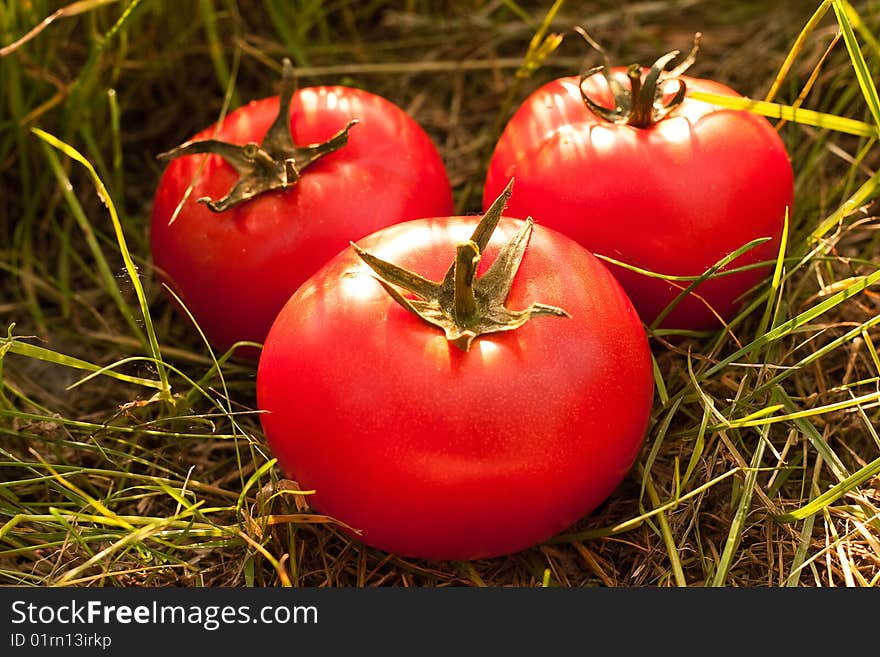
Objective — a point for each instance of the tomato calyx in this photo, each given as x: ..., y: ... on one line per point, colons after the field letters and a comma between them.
x: 463, y: 305
x: 275, y: 163
x: 646, y: 101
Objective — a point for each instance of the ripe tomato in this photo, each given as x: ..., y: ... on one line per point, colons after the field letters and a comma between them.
x: 673, y: 196
x: 235, y: 269
x: 438, y: 452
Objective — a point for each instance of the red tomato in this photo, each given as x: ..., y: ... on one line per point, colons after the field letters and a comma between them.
x: 674, y: 197
x: 235, y: 269
x: 435, y: 452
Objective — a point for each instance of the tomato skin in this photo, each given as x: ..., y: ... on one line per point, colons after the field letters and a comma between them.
x: 674, y: 198
x: 438, y: 453
x: 234, y: 270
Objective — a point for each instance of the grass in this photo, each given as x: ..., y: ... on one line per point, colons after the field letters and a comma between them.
x: 131, y: 454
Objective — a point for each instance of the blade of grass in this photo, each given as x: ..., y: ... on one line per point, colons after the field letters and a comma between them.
x: 814, y: 77
x: 165, y: 392
x: 795, y: 50
x: 659, y: 383
x: 277, y: 564
x: 699, y: 447
x: 215, y: 363
x: 833, y: 494
x: 77, y: 104
x: 869, y: 344
x: 115, y: 133
x: 106, y: 274
x: 73, y: 9
x: 254, y: 478
x: 542, y: 44
x: 661, y: 432
x: 859, y: 25
x: 224, y: 110
x: 98, y: 427
x: 520, y: 13
x: 797, y: 415
x: 79, y: 492
x: 774, y: 296
x: 734, y: 536
x: 215, y: 48
x: 135, y: 537
x: 16, y: 346
x: 632, y: 523
x: 816, y: 440
x: 790, y: 113
x: 806, y: 535
x: 288, y: 33
x: 863, y: 74
x: 860, y: 197
x: 666, y: 533
x: 694, y: 281
x: 818, y: 353
x: 800, y: 320
x: 105, y: 473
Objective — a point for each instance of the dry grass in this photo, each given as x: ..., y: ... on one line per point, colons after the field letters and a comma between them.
x: 101, y: 485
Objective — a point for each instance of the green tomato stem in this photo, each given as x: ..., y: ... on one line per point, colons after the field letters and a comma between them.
x: 276, y: 163
x: 463, y: 305
x: 464, y: 300
x: 642, y: 104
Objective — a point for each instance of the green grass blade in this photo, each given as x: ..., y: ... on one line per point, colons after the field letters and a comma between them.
x: 862, y: 195
x: 709, y: 273
x: 818, y: 353
x: 734, y: 536
x: 82, y: 92
x: 858, y: 285
x: 699, y: 446
x: 666, y: 533
x: 165, y: 392
x: 816, y: 439
x: 49, y: 356
x: 863, y: 74
x: 263, y: 470
x: 520, y: 13
x: 811, y: 25
x: 281, y: 15
x: 714, y: 270
x: 115, y: 132
x: 774, y: 296
x: 71, y: 10
x: 859, y: 25
x: 541, y: 46
x: 225, y: 78
x: 797, y: 415
x: 105, y: 273
x: 800, y: 556
x: 632, y: 523
x: 789, y: 113
x: 660, y: 436
x: 659, y: 383
x: 833, y: 494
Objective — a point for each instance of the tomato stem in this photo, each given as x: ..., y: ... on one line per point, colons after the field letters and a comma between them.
x: 276, y: 163
x: 463, y: 305
x: 645, y: 102
x: 464, y: 300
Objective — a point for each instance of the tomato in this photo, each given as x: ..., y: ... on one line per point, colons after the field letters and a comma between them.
x: 436, y: 446
x: 234, y: 269
x: 672, y: 196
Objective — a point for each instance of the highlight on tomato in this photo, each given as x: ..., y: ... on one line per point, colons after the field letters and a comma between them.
x: 626, y: 162
x: 457, y: 392
x: 247, y: 210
